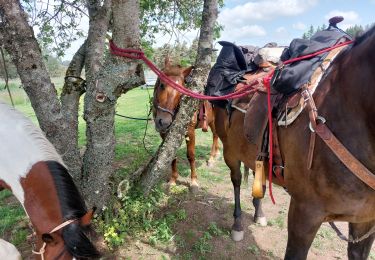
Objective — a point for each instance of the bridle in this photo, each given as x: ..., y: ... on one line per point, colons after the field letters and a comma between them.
x: 163, y: 109
x: 172, y: 113
x: 42, y: 250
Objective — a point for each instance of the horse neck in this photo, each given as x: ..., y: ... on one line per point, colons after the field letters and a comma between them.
x: 41, y: 200
x: 351, y: 81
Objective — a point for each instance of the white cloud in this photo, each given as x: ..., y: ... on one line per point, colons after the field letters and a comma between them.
x: 264, y: 10
x: 350, y: 18
x: 240, y: 34
x: 281, y: 30
x: 299, y: 26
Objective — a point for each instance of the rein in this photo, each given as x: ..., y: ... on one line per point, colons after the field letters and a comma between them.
x: 42, y: 250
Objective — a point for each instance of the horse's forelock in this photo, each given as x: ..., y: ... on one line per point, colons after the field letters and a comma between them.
x: 77, y: 243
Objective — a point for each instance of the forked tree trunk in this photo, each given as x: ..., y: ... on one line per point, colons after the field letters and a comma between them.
x: 104, y: 86
x: 18, y: 38
x: 159, y: 166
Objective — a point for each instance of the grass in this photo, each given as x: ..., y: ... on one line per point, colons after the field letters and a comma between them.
x: 133, y: 216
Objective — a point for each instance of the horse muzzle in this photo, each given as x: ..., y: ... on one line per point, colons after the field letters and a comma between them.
x: 162, y: 124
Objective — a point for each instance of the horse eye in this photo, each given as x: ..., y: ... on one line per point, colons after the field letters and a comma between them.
x: 162, y: 86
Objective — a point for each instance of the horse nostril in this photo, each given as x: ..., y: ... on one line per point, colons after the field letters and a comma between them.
x: 160, y: 122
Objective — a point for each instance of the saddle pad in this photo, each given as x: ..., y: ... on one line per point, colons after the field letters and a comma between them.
x: 293, y: 112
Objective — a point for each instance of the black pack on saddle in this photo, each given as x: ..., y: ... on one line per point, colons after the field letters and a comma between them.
x: 231, y: 64
x: 289, y: 78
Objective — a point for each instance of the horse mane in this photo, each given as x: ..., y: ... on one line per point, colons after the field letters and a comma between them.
x: 364, y: 36
x: 72, y: 207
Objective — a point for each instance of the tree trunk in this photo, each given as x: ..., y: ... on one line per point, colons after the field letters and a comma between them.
x: 74, y: 87
x: 158, y: 167
x: 104, y: 86
x: 18, y: 39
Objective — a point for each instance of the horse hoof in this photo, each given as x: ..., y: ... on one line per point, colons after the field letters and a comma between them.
x: 261, y: 221
x: 237, y: 235
x: 194, y: 187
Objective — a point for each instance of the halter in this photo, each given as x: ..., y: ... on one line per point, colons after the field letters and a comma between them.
x: 42, y: 250
x: 172, y: 113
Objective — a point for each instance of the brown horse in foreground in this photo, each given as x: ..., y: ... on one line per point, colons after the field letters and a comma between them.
x: 329, y: 191
x: 166, y: 101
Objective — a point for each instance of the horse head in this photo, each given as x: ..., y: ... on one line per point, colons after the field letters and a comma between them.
x: 166, y: 99
x: 59, y: 227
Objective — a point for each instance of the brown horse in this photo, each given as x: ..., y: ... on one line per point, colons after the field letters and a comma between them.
x: 166, y: 101
x: 31, y: 168
x: 329, y: 191
x: 236, y: 149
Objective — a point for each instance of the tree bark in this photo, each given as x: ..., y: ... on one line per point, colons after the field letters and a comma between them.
x: 158, y: 167
x: 74, y: 87
x: 104, y: 86
x: 18, y: 39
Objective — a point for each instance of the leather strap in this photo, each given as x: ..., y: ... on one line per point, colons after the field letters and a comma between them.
x: 310, y: 155
x: 355, y: 166
x: 318, y: 125
x: 277, y: 157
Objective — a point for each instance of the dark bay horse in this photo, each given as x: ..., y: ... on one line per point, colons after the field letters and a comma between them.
x: 329, y: 191
x: 31, y: 168
x: 236, y: 149
x: 165, y: 105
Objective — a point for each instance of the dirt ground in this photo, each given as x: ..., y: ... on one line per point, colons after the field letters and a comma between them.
x: 214, y: 204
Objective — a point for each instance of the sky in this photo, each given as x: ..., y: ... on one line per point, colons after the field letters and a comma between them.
x: 259, y: 22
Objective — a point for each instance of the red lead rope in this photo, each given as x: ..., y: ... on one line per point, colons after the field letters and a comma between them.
x: 139, y: 55
x: 247, y: 89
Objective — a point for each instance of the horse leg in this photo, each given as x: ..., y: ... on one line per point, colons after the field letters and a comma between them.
x: 190, y: 145
x: 303, y: 224
x: 360, y: 250
x: 259, y: 216
x: 214, y: 147
x: 174, y: 175
x: 235, y: 175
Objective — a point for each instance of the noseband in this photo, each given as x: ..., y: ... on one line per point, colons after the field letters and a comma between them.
x: 42, y: 250
x: 172, y: 113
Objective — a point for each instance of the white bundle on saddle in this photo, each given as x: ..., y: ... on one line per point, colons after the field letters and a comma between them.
x: 269, y: 55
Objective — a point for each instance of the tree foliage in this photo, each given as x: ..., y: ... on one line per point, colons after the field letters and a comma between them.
x: 353, y: 31
x: 57, y: 23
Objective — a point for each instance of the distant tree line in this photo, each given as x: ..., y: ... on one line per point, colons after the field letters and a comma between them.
x: 353, y: 31
x: 55, y: 66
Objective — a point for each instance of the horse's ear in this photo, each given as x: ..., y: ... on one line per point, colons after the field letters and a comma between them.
x: 86, y: 219
x: 187, y: 71
x: 167, y: 62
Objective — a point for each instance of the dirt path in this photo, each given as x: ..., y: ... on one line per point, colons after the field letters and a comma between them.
x: 205, y: 232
